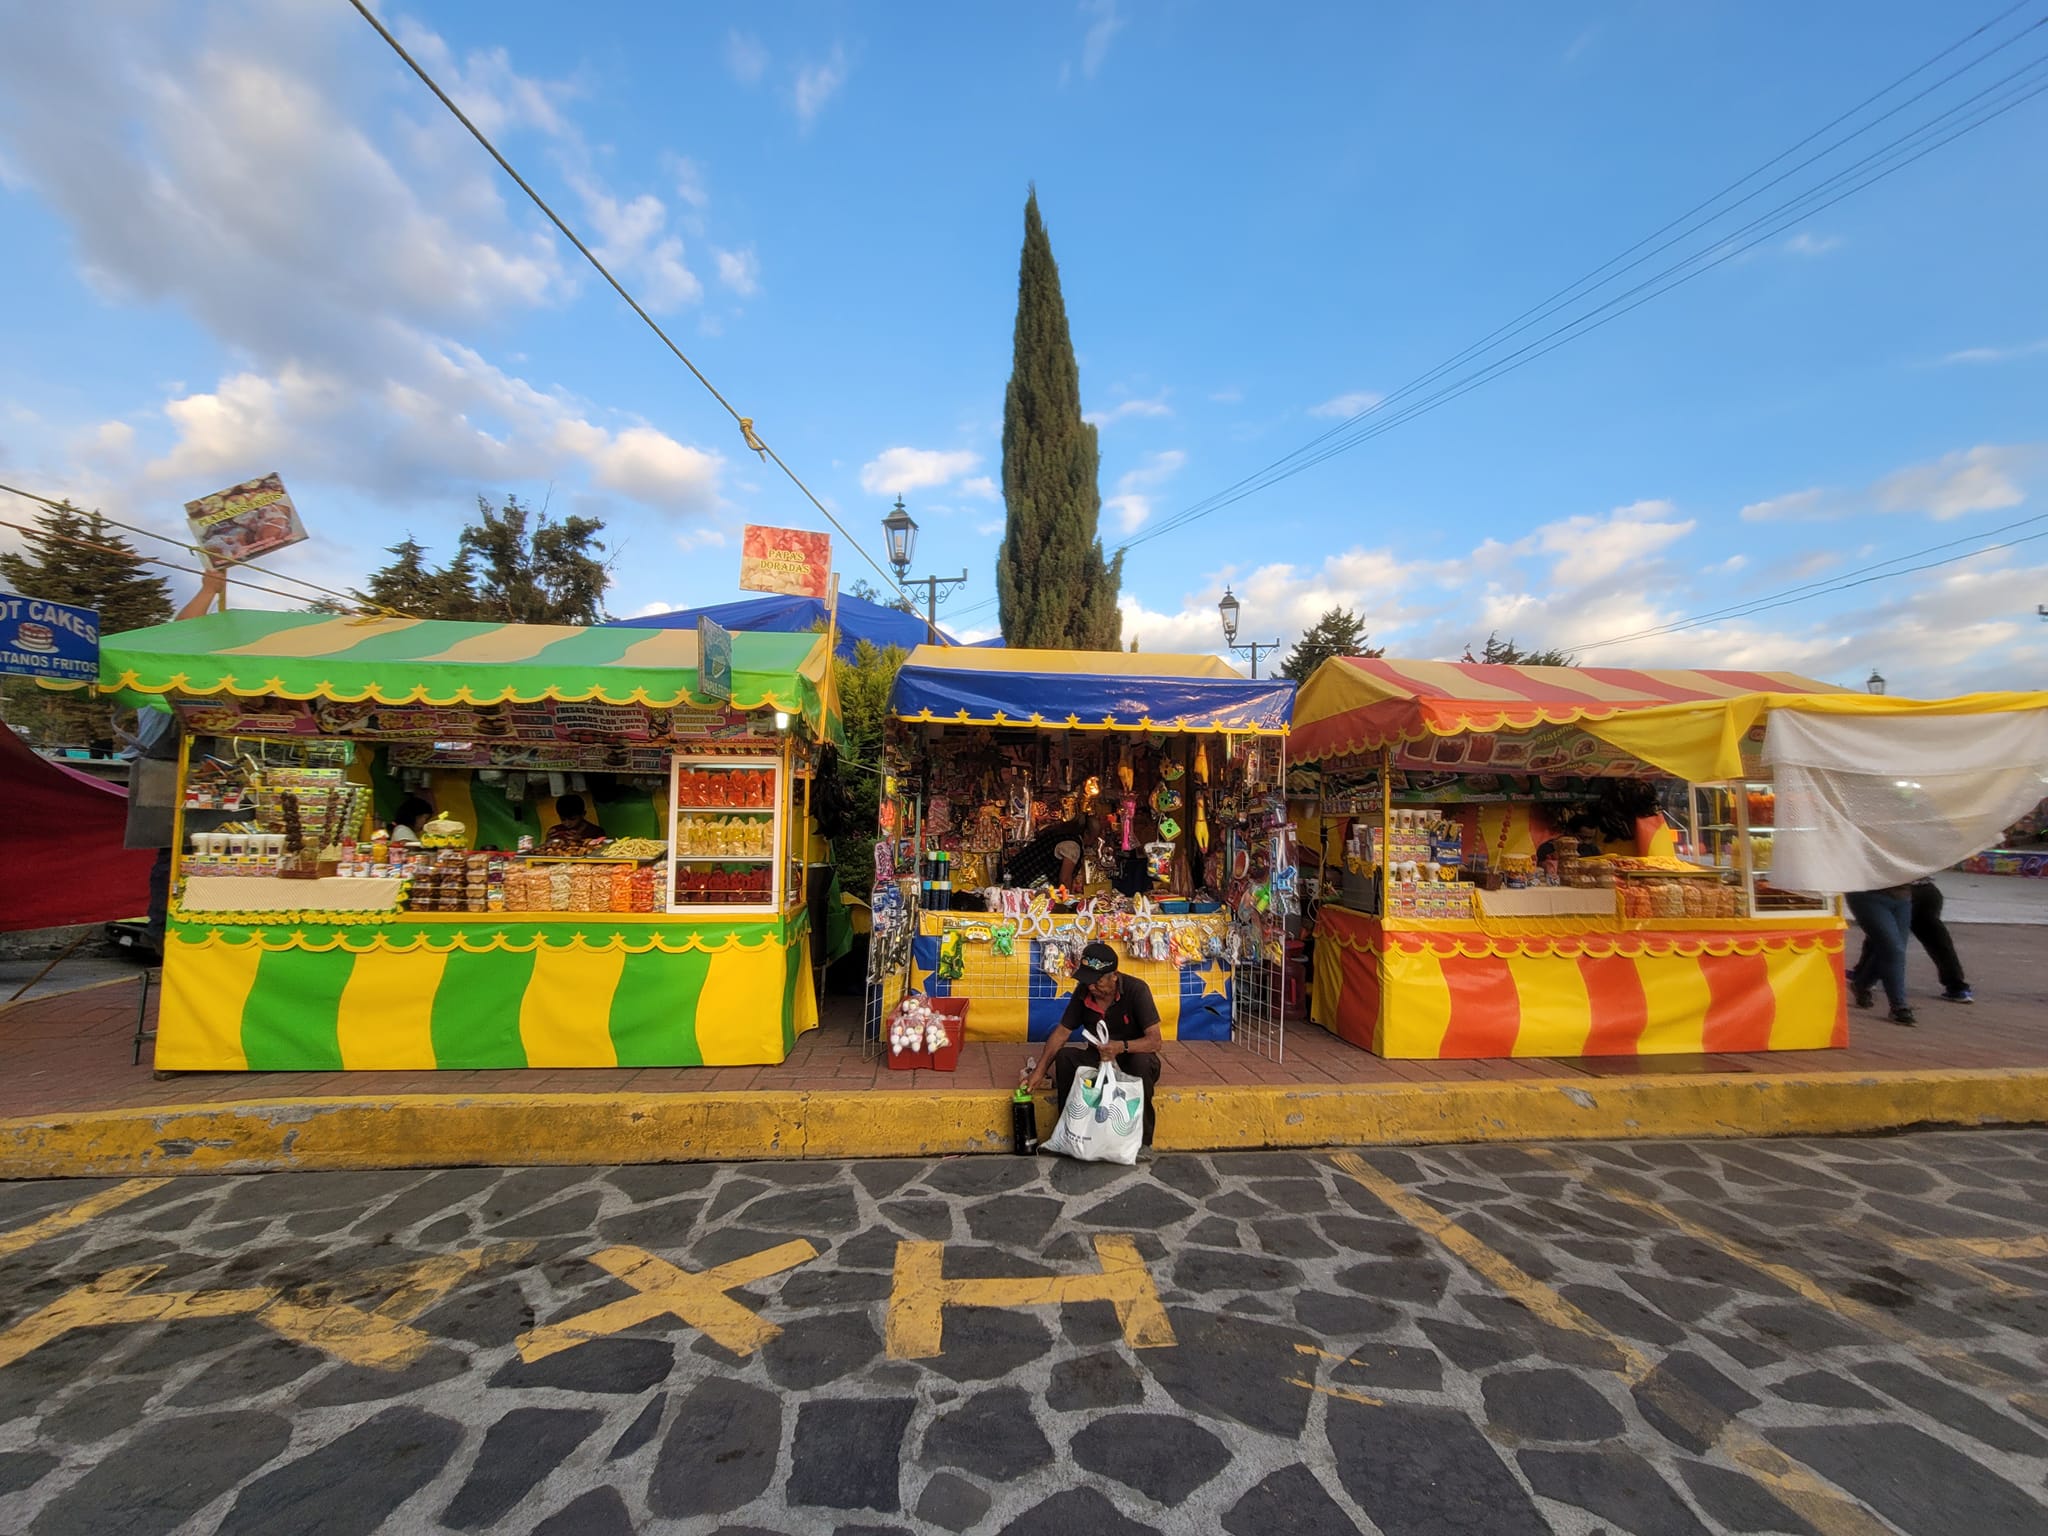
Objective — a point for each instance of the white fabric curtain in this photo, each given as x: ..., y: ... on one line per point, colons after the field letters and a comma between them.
x: 1869, y: 801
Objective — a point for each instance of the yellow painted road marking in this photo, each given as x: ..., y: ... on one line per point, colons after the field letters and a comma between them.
x: 1822, y: 1506
x: 1338, y: 1392
x: 920, y: 1294
x: 378, y: 1337
x: 696, y: 1299
x: 1948, y: 1361
x: 2031, y: 1247
x: 75, y: 1215
x: 1936, y: 1250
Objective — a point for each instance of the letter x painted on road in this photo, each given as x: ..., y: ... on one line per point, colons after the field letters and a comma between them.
x: 665, y: 1291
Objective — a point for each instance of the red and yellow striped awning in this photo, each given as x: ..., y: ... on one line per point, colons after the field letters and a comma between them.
x: 1358, y: 704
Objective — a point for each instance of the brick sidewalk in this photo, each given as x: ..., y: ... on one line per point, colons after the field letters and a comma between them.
x: 71, y: 1053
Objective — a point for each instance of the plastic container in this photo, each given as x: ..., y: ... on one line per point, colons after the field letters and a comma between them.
x: 947, y: 1057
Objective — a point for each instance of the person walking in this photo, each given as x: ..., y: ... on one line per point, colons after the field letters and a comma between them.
x: 1885, y: 917
x: 1933, y: 935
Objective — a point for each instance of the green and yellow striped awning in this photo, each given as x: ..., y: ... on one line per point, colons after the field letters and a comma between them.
x: 249, y: 653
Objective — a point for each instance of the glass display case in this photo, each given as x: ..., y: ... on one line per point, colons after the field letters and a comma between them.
x: 1734, y: 829
x: 726, y: 830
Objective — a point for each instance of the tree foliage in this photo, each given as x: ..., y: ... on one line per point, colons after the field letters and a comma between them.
x: 77, y: 557
x: 512, y: 565
x: 1339, y: 632
x: 864, y: 684
x: 1499, y: 652
x: 1054, y: 587
x: 868, y: 592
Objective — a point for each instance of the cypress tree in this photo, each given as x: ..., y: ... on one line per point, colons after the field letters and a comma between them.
x: 1055, y: 588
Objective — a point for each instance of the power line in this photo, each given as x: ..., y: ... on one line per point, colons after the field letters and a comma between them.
x: 1807, y: 589
x: 1308, y: 455
x: 115, y: 549
x: 1801, y: 206
x: 746, y: 423
x: 1844, y: 586
x: 190, y: 549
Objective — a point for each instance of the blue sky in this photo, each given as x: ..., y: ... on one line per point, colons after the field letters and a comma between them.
x: 241, y: 237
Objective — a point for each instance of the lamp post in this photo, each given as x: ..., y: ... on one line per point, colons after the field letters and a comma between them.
x: 900, y: 529
x: 1228, y: 608
x: 1876, y: 682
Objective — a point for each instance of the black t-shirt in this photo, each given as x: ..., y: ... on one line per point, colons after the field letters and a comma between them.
x: 1131, y: 1014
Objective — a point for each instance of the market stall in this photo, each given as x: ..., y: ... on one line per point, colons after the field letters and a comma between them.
x: 418, y: 844
x: 1553, y: 861
x: 1036, y: 800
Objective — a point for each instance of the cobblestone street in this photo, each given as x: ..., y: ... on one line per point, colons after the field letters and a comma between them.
x: 1826, y: 1336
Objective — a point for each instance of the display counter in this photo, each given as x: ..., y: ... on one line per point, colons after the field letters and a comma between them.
x: 1579, y: 986
x: 1018, y: 982
x: 302, y: 938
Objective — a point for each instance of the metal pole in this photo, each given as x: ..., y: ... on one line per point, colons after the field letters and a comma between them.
x: 931, y: 609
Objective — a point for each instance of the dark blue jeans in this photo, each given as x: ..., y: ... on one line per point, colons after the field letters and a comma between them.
x: 1886, y: 919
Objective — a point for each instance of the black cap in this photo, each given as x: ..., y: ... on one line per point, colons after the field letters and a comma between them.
x: 1097, y: 961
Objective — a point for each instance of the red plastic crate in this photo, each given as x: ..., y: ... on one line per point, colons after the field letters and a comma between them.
x: 947, y: 1057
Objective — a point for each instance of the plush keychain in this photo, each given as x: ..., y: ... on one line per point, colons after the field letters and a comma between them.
x: 1003, y: 939
x: 952, y: 958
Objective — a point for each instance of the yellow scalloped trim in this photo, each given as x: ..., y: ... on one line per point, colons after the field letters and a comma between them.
x: 471, y: 944
x: 181, y: 682
x: 1076, y: 723
x: 1628, y: 944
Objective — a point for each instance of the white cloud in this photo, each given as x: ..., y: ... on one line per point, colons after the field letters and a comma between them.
x: 690, y: 186
x: 1797, y: 506
x: 895, y: 471
x: 491, y: 93
x: 1226, y: 396
x: 745, y: 57
x: 981, y: 488
x: 1999, y: 354
x: 1980, y: 479
x: 1591, y: 549
x: 1807, y: 244
x: 632, y: 240
x: 1103, y: 25
x: 1155, y: 407
x: 740, y: 271
x: 653, y: 468
x: 991, y: 528
x: 817, y: 84
x: 1347, y: 405
x: 701, y: 538
x: 1132, y: 504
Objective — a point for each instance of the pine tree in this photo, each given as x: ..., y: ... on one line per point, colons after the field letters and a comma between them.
x: 511, y: 566
x: 1498, y: 652
x: 1053, y: 584
x: 77, y: 557
x: 1339, y: 632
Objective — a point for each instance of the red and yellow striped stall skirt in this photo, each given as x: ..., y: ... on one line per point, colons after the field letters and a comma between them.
x: 1573, y: 987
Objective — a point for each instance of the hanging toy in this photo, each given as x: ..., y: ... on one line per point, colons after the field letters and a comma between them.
x: 1127, y: 814
x: 1124, y: 776
x: 1201, y: 823
x: 1171, y: 772
x: 1202, y: 762
x: 1165, y: 799
x: 952, y: 958
x: 1169, y: 829
x: 1159, y: 859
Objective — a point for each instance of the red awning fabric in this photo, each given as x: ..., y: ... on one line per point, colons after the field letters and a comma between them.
x: 1357, y: 703
x: 60, y: 845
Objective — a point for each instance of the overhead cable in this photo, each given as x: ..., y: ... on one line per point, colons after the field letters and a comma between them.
x: 748, y: 431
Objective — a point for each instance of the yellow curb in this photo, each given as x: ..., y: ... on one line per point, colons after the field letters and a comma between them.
x: 446, y: 1130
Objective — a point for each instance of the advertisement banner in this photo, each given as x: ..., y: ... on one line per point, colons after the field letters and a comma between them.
x: 714, y: 659
x: 785, y: 560
x: 244, y: 521
x: 53, y: 641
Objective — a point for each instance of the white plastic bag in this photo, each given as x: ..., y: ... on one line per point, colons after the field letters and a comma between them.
x: 1104, y: 1121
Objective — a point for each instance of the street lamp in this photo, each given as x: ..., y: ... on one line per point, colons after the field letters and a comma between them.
x: 901, y: 532
x: 1876, y: 682
x: 900, y: 529
x: 1228, y: 609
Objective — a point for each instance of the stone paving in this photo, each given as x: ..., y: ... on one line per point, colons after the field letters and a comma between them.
x: 1796, y: 1336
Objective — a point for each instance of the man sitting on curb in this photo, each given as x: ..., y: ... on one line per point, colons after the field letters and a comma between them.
x: 1103, y: 996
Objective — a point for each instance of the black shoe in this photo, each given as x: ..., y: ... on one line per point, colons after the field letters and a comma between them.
x: 1904, y: 1016
x: 1859, y: 995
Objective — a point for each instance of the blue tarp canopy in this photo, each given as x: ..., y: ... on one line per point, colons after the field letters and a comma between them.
x: 859, y: 620
x: 1088, y: 691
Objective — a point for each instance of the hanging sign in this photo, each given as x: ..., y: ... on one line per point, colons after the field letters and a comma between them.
x: 785, y: 560
x: 714, y: 659
x: 53, y: 641
x: 244, y: 521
